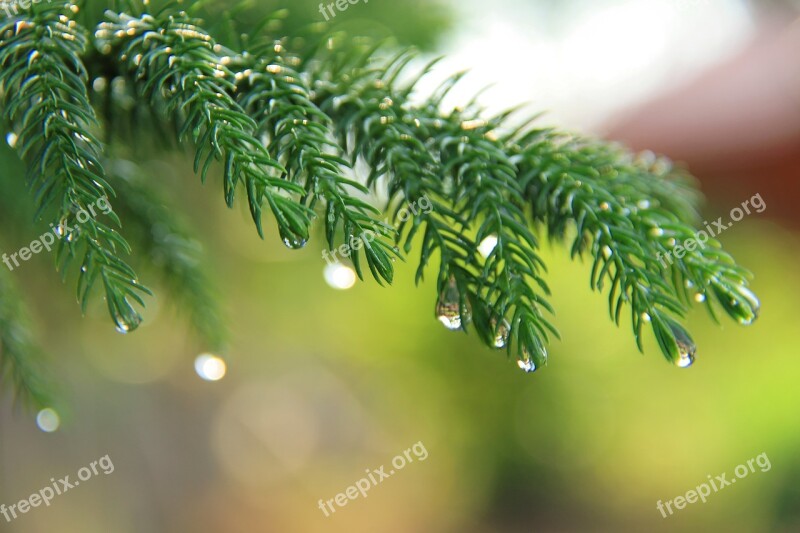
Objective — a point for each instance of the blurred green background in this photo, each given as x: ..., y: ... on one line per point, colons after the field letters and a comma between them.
x: 322, y: 384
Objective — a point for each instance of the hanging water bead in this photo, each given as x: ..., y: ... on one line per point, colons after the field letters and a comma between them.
x: 686, y: 359
x: 293, y: 242
x: 501, y: 333
x: 448, y: 308
x: 125, y: 322
x: 686, y: 347
x: 527, y: 363
x: 752, y: 302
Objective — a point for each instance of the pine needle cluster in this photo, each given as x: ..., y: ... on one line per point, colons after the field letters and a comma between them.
x: 285, y: 128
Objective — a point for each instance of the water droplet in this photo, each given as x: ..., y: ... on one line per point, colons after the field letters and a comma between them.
x: 501, y: 333
x: 487, y: 245
x: 449, y: 316
x: 686, y: 347
x: 686, y: 360
x: 294, y: 242
x: 699, y: 297
x: 126, y: 320
x: 11, y: 139
x: 607, y: 252
x: 448, y: 308
x: 643, y: 204
x: 646, y: 317
x: 48, y: 420
x: 754, y: 304
x: 656, y: 232
x: 527, y: 365
x: 605, y: 206
x: 210, y: 367
x: 60, y: 229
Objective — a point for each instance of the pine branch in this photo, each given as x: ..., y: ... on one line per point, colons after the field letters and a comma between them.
x: 618, y: 216
x: 291, y: 131
x: 455, y: 162
x: 178, y: 63
x: 300, y: 135
x: 45, y: 102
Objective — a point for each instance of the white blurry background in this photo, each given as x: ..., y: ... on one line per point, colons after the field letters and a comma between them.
x: 582, y: 61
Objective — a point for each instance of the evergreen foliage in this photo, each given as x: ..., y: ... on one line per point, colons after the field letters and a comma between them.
x: 287, y: 128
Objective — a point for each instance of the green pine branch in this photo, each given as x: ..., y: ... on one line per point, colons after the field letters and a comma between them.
x: 455, y: 162
x: 270, y: 90
x: 45, y: 102
x: 179, y: 65
x: 629, y: 225
x: 292, y: 128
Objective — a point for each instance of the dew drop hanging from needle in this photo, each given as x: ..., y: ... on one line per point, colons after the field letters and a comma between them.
x: 527, y: 363
x: 500, y: 332
x: 448, y: 308
x: 686, y: 347
x: 294, y: 243
x: 750, y: 312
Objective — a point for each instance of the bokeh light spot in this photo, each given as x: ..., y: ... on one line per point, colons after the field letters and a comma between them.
x: 339, y: 276
x: 48, y: 420
x: 210, y: 367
